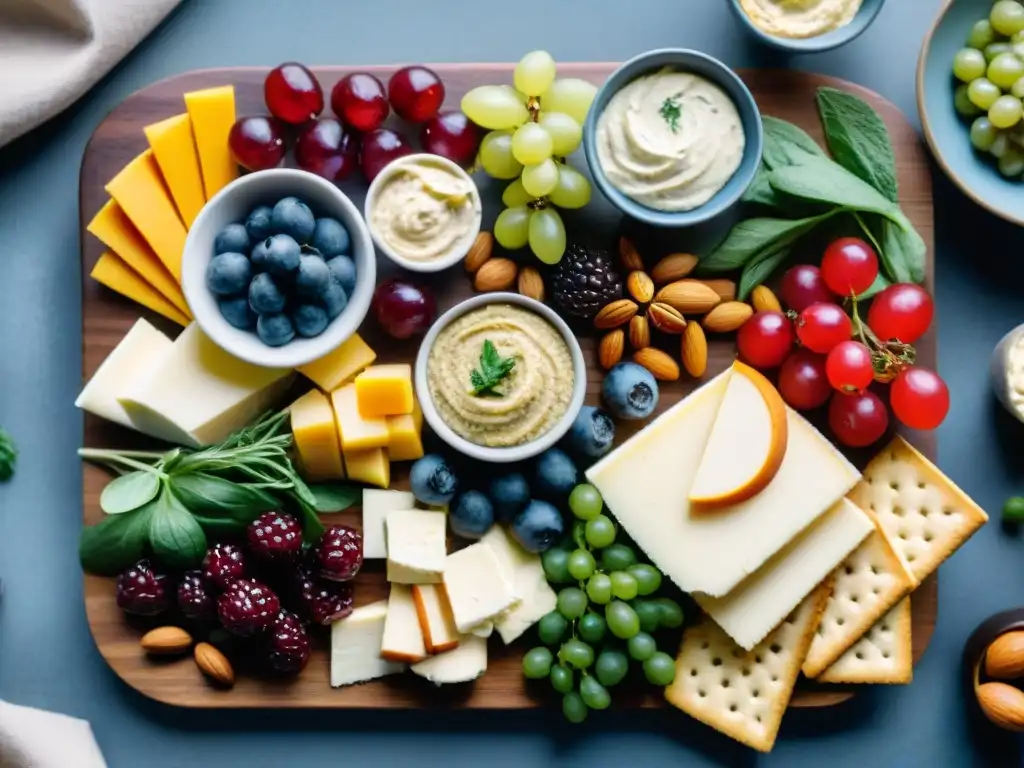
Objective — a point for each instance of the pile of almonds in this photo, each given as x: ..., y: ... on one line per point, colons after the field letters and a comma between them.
x: 175, y: 641
x: 497, y: 273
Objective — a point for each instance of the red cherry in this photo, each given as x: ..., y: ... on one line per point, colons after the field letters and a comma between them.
x: 257, y: 142
x: 293, y: 93
x: 451, y: 135
x: 858, y: 420
x: 849, y: 266
x: 416, y: 93
x: 902, y: 311
x: 849, y: 366
x: 404, y: 309
x: 919, y: 398
x: 802, y: 286
x: 380, y: 147
x: 821, y: 326
x: 361, y: 101
x: 766, y: 339
x: 802, y: 380
x: 325, y: 147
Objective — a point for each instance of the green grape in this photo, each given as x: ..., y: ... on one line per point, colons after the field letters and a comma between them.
x: 1007, y: 17
x: 512, y: 227
x: 592, y: 628
x: 556, y: 565
x: 617, y: 557
x: 531, y: 144
x: 566, y: 133
x: 540, y: 179
x: 1006, y: 112
x: 562, y: 678
x: 572, y: 602
x: 1017, y: 37
x: 585, y: 502
x: 983, y: 134
x: 1011, y: 164
x: 571, y: 96
x: 599, y: 588
x: 496, y: 155
x: 547, y: 236
x: 594, y: 695
x: 534, y: 73
x: 962, y: 102
x: 660, y: 669
x: 649, y: 614
x: 968, y: 64
x: 577, y: 653
x: 572, y: 190
x: 983, y: 93
x: 1000, y: 146
x: 641, y: 646
x: 671, y: 614
x: 623, y: 585
x: 581, y: 564
x: 648, y: 578
x: 981, y: 34
x: 494, y: 108
x: 551, y: 628
x: 1017, y: 49
x: 1017, y: 89
x: 521, y: 97
x: 1004, y: 70
x: 994, y: 49
x: 573, y: 708
x: 600, y: 532
x: 515, y: 196
x: 611, y: 667
x: 622, y: 620
x: 537, y: 663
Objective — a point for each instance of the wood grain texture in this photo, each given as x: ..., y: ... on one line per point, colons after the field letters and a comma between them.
x: 106, y: 318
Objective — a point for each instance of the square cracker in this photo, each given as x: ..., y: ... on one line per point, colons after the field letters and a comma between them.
x: 883, y: 655
x: 867, y: 584
x: 924, y: 514
x: 741, y: 693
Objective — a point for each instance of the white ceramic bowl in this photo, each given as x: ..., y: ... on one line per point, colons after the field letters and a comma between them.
x: 515, y: 452
x: 461, y: 247
x: 233, y: 204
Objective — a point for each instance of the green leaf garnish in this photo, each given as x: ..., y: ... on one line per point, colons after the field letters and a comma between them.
x: 671, y: 110
x: 493, y: 369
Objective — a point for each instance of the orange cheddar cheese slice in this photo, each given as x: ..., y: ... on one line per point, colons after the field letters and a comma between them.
x: 175, y: 151
x: 337, y: 367
x: 357, y: 432
x: 316, y: 437
x: 385, y: 390
x: 112, y: 272
x: 369, y: 466
x: 404, y: 441
x: 213, y: 113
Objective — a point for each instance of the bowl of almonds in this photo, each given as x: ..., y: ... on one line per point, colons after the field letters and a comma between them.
x: 994, y: 666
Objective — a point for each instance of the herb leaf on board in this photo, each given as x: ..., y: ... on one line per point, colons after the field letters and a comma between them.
x: 334, y: 497
x: 493, y: 369
x: 175, y: 536
x: 786, y: 144
x: 129, y: 491
x: 116, y: 542
x: 753, y: 236
x: 213, y: 496
x: 759, y: 269
x: 760, y: 191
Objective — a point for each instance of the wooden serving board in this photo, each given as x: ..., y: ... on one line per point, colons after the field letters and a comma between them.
x: 107, y: 317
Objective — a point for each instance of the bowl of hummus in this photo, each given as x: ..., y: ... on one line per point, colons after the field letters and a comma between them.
x: 423, y: 212
x: 500, y: 377
x: 673, y: 138
x: 806, y: 26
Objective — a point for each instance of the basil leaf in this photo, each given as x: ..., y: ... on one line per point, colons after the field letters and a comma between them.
x: 114, y: 544
x: 823, y: 181
x: 175, y: 536
x: 334, y: 497
x: 302, y: 492
x: 753, y: 236
x: 786, y: 144
x: 129, y: 491
x: 875, y: 288
x: 312, y: 527
x: 859, y: 140
x: 760, y: 191
x: 904, y: 252
x: 759, y: 269
x: 213, y: 496
x: 220, y: 527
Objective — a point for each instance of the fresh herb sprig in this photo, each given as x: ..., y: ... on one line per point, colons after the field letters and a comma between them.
x: 8, y: 455
x: 671, y: 111
x: 492, y: 371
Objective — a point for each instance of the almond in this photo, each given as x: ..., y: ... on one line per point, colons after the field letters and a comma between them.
x: 479, y: 252
x: 531, y: 284
x: 495, y: 275
x: 665, y: 318
x: 689, y: 297
x: 640, y: 286
x: 615, y: 314
x: 726, y: 289
x: 639, y: 332
x: 214, y: 665
x: 695, y: 350
x: 609, y: 351
x: 675, y: 266
x: 661, y: 366
x: 727, y: 317
x: 1002, y: 704
x: 629, y: 256
x: 166, y: 641
x: 764, y: 300
x: 1004, y: 659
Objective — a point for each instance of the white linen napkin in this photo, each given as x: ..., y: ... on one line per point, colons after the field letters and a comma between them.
x: 53, y: 51
x: 32, y: 738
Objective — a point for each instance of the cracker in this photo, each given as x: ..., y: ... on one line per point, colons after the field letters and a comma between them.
x: 883, y: 655
x: 741, y: 693
x: 924, y: 514
x: 867, y: 584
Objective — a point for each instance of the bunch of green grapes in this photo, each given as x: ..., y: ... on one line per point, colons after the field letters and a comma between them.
x: 533, y: 126
x: 606, y: 615
x: 991, y: 93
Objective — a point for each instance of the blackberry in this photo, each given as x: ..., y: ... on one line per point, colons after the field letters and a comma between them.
x: 584, y: 281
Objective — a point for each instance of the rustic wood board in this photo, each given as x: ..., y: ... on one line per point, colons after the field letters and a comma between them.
x: 107, y: 317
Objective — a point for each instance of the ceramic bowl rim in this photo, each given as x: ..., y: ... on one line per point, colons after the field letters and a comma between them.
x: 834, y: 38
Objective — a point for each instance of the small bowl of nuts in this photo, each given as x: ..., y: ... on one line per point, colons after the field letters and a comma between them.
x: 993, y: 667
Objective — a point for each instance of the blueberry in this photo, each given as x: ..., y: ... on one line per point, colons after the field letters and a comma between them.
x: 233, y: 237
x: 237, y: 311
x: 630, y: 391
x: 228, y: 273
x: 343, y: 269
x: 592, y: 434
x: 309, y: 320
x: 555, y: 475
x: 333, y: 299
x: 510, y: 494
x: 258, y: 256
x: 292, y: 217
x: 330, y: 238
x: 472, y: 515
x: 432, y: 480
x: 312, y: 276
x: 275, y: 330
x: 265, y: 297
x: 258, y: 225
x: 538, y: 527
x: 282, y: 254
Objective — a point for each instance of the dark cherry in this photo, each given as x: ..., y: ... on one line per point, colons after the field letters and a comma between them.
x: 379, y: 148
x: 416, y: 93
x: 361, y: 101
x: 142, y: 591
x: 451, y: 135
x: 404, y: 309
x: 248, y: 607
x: 288, y: 645
x: 341, y: 553
x: 194, y: 598
x: 257, y: 143
x: 274, y: 537
x: 327, y: 148
x: 293, y: 93
x: 223, y: 564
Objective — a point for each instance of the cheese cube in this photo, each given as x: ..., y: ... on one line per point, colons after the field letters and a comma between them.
x: 376, y: 505
x: 112, y: 272
x: 175, y: 151
x: 355, y: 646
x: 316, y: 437
x: 337, y: 367
x: 435, y: 617
x: 368, y: 466
x: 403, y: 638
x: 461, y: 665
x: 357, y: 432
x: 416, y: 546
x: 212, y: 112
x: 530, y: 585
x: 404, y: 441
x: 477, y: 585
x: 385, y: 390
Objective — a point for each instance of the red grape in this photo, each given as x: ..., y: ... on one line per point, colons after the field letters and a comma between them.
x: 380, y: 147
x: 451, y: 135
x: 361, y: 101
x: 802, y: 380
x: 765, y: 339
x: 849, y: 366
x: 821, y: 326
x: 849, y: 266
x: 858, y: 420
x: 403, y: 309
x: 416, y: 93
x: 902, y: 311
x: 919, y: 398
x: 802, y: 286
x: 325, y: 147
x: 293, y: 93
x: 257, y: 143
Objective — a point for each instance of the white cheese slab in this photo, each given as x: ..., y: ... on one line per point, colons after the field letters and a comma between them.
x: 478, y: 587
x: 530, y: 585
x: 403, y: 638
x: 355, y: 646
x: 460, y: 665
x: 376, y: 505
x: 417, y: 546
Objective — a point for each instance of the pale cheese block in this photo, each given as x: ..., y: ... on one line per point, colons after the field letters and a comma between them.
x: 355, y: 646
x: 646, y: 483
x: 403, y: 638
x: 460, y: 665
x: 885, y: 654
x: 376, y: 505
x: 435, y: 616
x: 752, y: 610
x: 477, y: 585
x: 524, y: 569
x: 416, y: 544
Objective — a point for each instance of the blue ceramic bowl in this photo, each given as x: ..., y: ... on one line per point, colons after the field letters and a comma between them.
x: 947, y: 133
x: 680, y: 60
x: 865, y: 15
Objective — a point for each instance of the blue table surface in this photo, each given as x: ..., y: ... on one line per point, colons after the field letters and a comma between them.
x: 47, y: 657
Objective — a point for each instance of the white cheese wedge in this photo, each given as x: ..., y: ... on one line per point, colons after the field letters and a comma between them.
x: 478, y: 587
x: 132, y: 361
x: 403, y: 638
x: 646, y: 482
x: 199, y: 394
x: 435, y: 616
x: 376, y: 505
x: 530, y: 585
x: 355, y: 646
x: 760, y: 603
x: 461, y: 665
x: 417, y: 548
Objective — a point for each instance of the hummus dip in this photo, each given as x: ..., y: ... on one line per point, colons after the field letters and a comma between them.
x: 670, y: 140
x: 800, y: 18
x: 527, y: 403
x: 425, y: 210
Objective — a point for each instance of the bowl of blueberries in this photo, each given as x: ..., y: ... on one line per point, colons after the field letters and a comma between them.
x: 279, y: 268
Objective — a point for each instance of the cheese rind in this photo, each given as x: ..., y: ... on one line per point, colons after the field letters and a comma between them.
x: 355, y: 646
x: 435, y: 617
x: 478, y: 587
x: 403, y: 638
x: 524, y: 570
x: 175, y: 151
x: 416, y: 546
x: 461, y: 665
x: 110, y: 270
x: 357, y: 432
x: 337, y: 367
x: 376, y: 506
x: 212, y: 113
x: 316, y: 437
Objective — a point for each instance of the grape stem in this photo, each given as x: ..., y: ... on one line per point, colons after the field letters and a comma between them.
x: 533, y: 107
x: 888, y: 358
